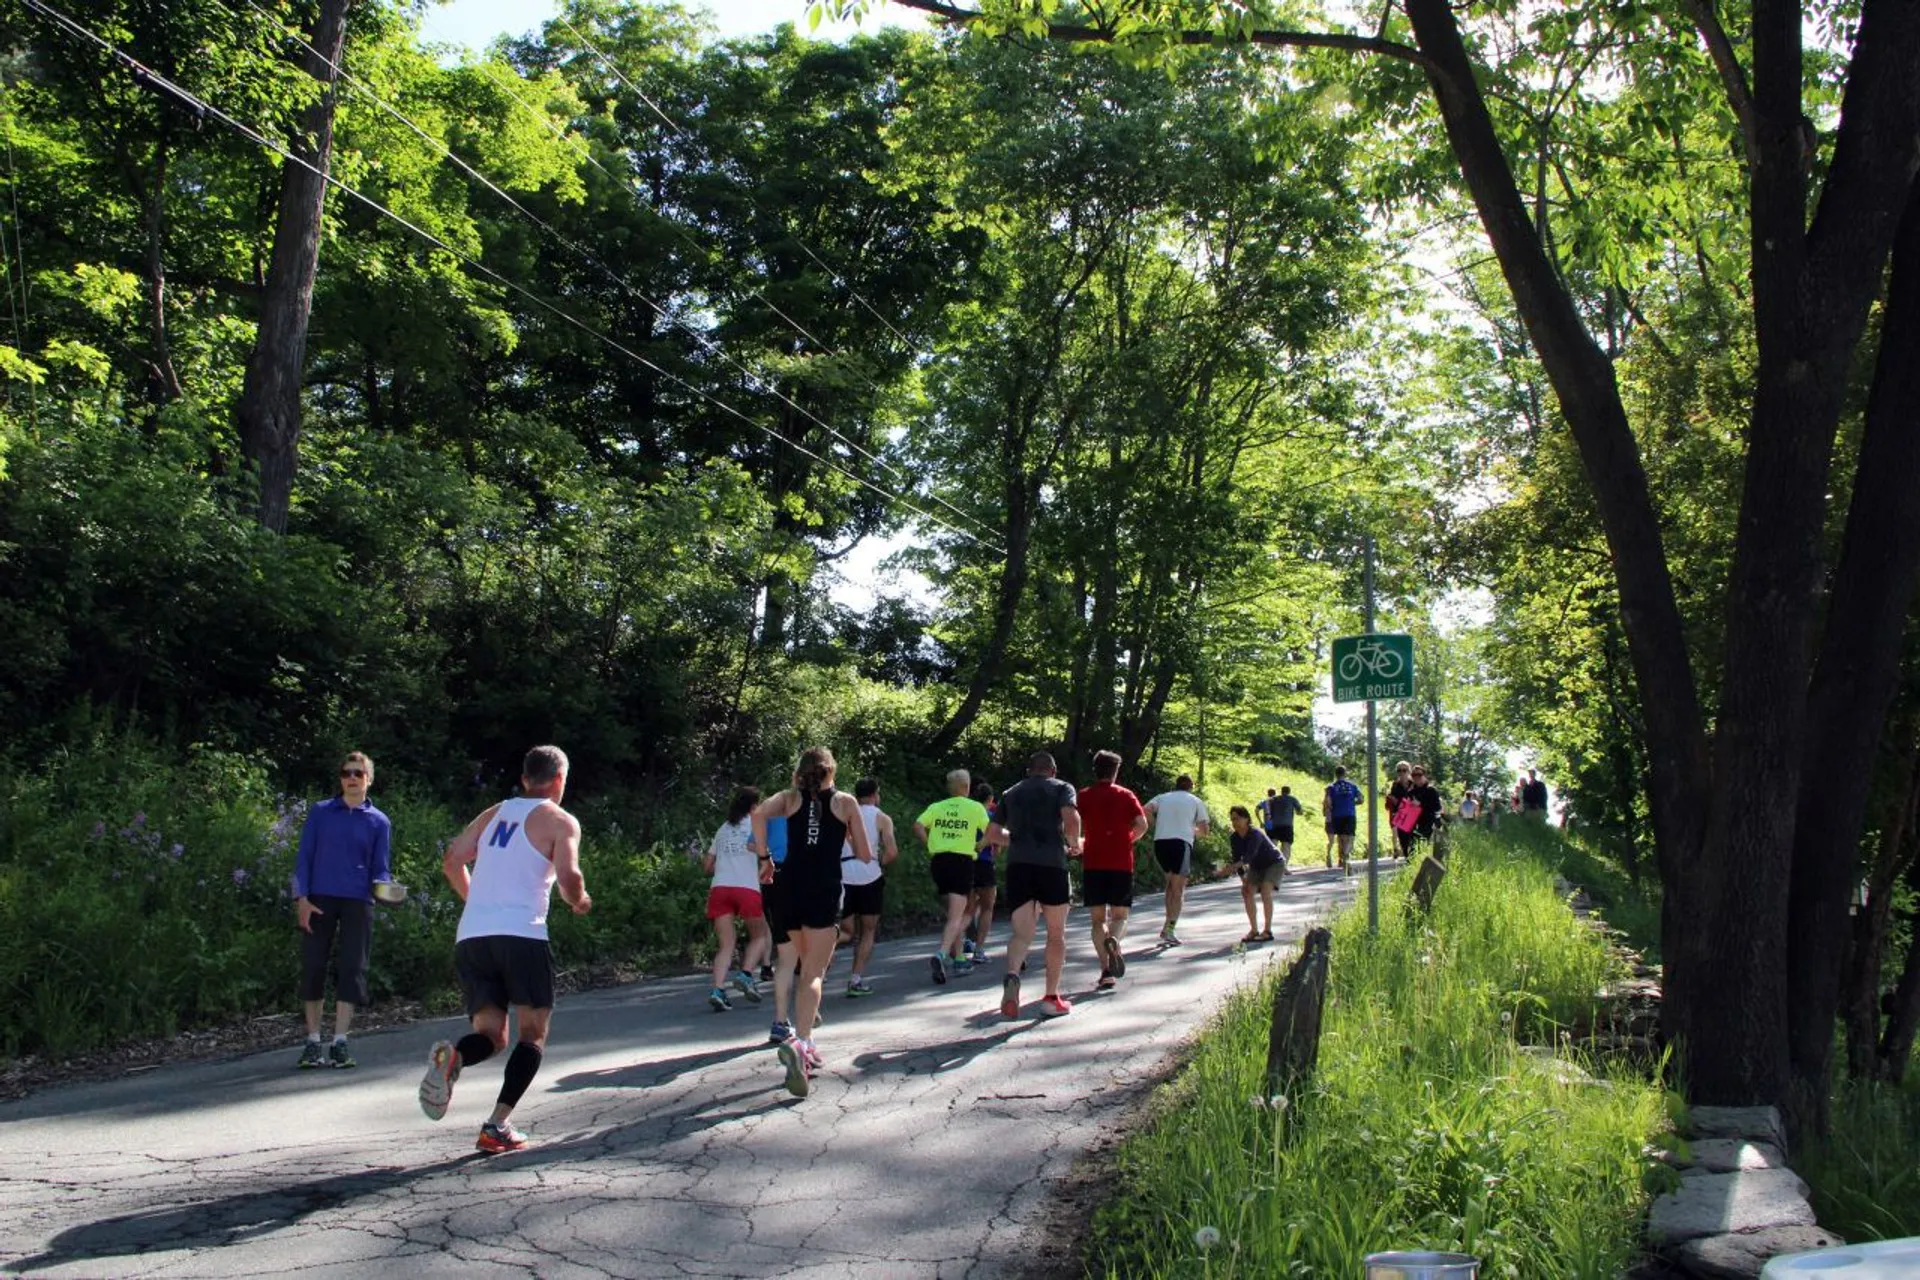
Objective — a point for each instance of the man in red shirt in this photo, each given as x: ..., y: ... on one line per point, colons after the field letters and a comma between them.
x: 1112, y: 818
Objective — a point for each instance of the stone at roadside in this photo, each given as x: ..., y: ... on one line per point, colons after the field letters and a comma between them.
x: 1758, y: 1124
x: 1742, y: 1256
x: 1718, y: 1203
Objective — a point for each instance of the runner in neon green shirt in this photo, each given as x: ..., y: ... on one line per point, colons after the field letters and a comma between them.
x: 952, y: 829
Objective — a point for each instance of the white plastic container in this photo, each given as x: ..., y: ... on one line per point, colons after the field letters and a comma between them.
x: 1878, y: 1260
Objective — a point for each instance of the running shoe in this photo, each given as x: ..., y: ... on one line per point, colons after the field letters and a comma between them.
x: 766, y: 973
x: 1116, y: 962
x: 1106, y: 981
x: 337, y: 1055
x: 967, y: 945
x: 436, y: 1086
x: 1168, y: 938
x: 746, y: 985
x: 796, y: 1065
x: 312, y: 1056
x: 780, y: 1033
x: 811, y: 1053
x: 961, y: 967
x: 857, y: 988
x: 1055, y: 1006
x: 718, y: 999
x: 939, y: 963
x: 496, y: 1138
x: 1010, y: 996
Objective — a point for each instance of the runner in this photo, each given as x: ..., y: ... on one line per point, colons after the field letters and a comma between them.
x: 735, y: 891
x: 985, y: 887
x: 1179, y: 816
x: 863, y: 883
x: 1040, y: 826
x: 500, y: 947
x: 772, y: 856
x: 1113, y: 819
x: 345, y: 849
x: 1268, y: 818
x: 952, y: 829
x: 1286, y: 805
x: 819, y: 821
x: 1260, y: 865
x: 1343, y: 805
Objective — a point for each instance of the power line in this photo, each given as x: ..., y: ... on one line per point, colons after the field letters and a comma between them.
x: 365, y: 90
x: 147, y: 76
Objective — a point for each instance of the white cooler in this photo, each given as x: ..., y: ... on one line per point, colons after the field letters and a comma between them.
x: 1879, y: 1260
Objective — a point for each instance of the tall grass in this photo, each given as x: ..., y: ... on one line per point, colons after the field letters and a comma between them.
x: 1428, y: 1123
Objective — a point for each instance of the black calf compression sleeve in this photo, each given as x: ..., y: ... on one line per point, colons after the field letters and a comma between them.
x: 522, y: 1063
x: 473, y: 1049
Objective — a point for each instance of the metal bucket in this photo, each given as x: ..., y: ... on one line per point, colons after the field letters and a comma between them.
x: 1416, y: 1264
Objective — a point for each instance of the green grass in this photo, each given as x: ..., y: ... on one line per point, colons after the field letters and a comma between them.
x: 1426, y: 1125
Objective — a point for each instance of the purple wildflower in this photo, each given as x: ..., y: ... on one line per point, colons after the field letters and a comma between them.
x: 240, y: 875
x: 178, y: 852
x: 99, y: 829
x: 140, y: 818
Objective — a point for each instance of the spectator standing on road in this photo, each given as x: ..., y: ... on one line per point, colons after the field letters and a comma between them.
x: 1040, y: 829
x: 345, y: 849
x: 1111, y: 819
x: 1396, y: 794
x: 501, y: 951
x: 735, y: 891
x: 1343, y: 808
x: 1533, y: 797
x: 1260, y: 865
x: 864, y: 884
x: 1427, y: 796
x: 1179, y: 817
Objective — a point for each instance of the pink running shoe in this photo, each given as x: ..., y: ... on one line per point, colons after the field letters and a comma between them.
x: 1055, y: 1007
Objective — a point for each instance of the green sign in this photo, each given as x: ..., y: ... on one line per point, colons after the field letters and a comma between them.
x: 1374, y: 668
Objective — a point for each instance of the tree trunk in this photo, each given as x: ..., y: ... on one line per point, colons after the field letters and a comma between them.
x: 1022, y: 497
x: 1896, y: 1047
x: 1866, y: 956
x: 1856, y: 677
x: 164, y: 380
x: 269, y: 410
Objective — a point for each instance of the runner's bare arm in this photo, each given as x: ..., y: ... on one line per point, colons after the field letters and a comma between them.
x: 461, y: 853
x: 564, y: 849
x: 1139, y: 825
x: 1070, y: 828
x: 847, y: 809
x: 888, y: 849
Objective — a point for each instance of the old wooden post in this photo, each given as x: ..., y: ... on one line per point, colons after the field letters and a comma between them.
x: 1293, y: 1038
x: 1427, y: 879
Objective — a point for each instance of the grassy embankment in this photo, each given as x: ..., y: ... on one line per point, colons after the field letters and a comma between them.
x: 1428, y: 1125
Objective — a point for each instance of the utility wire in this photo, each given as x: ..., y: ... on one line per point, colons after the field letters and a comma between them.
x: 202, y: 108
x: 365, y: 90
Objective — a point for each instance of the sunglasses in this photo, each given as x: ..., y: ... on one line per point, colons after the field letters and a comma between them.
x: 353, y: 773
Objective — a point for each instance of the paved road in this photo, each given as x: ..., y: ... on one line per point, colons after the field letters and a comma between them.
x: 664, y: 1144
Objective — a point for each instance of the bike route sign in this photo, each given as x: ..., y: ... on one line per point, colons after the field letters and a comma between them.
x: 1373, y: 668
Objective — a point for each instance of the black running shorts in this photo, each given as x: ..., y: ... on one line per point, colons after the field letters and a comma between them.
x: 1340, y: 826
x: 983, y: 874
x: 810, y: 898
x: 502, y: 971
x: 953, y: 873
x: 863, y: 899
x: 1026, y: 883
x: 1174, y: 856
x: 1283, y: 835
x: 773, y: 904
x: 1107, y: 888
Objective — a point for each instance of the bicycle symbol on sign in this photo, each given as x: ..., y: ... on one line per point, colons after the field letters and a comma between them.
x: 1372, y: 658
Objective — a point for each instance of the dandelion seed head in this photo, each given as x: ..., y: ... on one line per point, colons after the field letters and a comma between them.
x: 1207, y: 1237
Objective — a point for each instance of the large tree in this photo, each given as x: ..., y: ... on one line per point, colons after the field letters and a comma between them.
x: 1756, y: 907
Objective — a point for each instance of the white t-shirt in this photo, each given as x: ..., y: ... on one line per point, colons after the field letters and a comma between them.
x: 1176, y: 814
x: 512, y: 881
x: 734, y: 865
x: 854, y: 871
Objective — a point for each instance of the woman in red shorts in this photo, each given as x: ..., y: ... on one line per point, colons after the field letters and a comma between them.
x: 735, y: 868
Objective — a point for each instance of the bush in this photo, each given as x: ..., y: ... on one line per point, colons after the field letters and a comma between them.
x: 1427, y: 1124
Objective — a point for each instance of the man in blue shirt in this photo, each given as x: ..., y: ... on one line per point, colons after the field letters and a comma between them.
x: 345, y: 849
x: 1343, y: 806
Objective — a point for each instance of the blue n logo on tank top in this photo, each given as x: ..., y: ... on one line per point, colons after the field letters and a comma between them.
x: 503, y: 834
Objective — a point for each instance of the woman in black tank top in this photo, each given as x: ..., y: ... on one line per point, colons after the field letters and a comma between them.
x: 819, y: 821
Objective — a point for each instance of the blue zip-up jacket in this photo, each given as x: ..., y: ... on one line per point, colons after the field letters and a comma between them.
x: 343, y: 852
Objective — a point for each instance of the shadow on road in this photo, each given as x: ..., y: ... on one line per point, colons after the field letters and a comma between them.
x: 649, y: 1075
x: 931, y: 1059
x: 232, y: 1220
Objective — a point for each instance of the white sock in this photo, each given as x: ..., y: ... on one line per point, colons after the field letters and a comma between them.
x: 313, y: 1037
x: 855, y: 978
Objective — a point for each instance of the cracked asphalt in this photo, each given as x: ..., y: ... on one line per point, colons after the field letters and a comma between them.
x: 662, y: 1141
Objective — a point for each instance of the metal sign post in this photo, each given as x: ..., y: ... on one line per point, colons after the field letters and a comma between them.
x: 1373, y: 775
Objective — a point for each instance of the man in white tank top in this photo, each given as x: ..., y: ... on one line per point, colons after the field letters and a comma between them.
x: 863, y: 884
x: 518, y: 850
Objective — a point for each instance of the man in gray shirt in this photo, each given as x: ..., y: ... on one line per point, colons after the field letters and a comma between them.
x: 1040, y: 821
